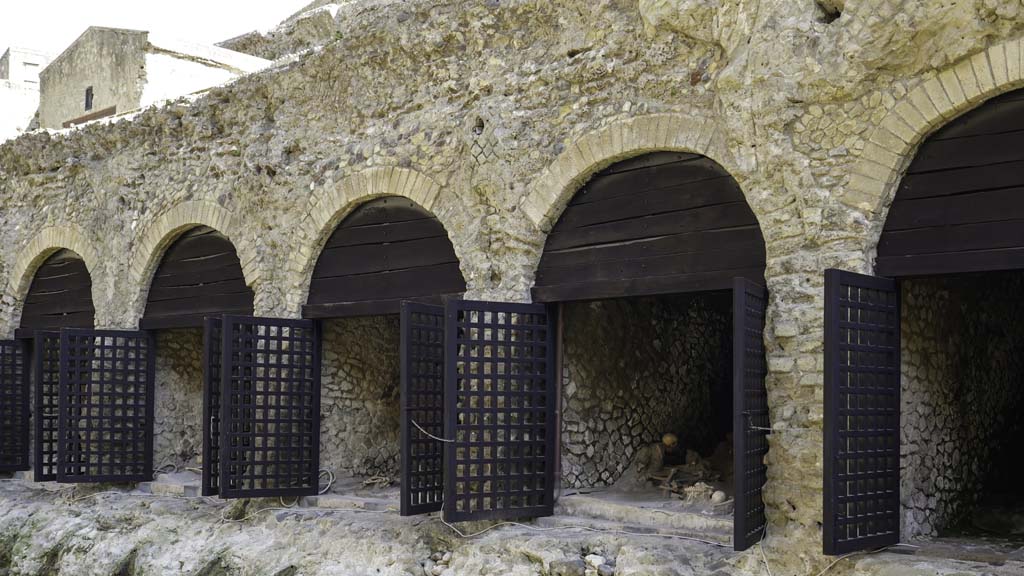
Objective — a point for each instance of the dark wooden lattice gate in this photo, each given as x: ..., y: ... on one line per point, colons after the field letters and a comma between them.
x: 499, y: 410
x: 862, y: 412
x: 751, y: 420
x: 14, y: 408
x: 422, y: 358
x: 212, y: 360
x: 46, y: 364
x: 269, y: 407
x: 106, y: 406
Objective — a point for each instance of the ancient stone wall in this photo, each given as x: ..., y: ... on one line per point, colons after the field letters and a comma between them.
x: 962, y: 393
x: 178, y: 413
x: 360, y: 396
x: 634, y: 369
x: 491, y: 115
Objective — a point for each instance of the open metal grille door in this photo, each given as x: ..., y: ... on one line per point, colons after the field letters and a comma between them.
x: 105, y: 421
x: 269, y: 407
x: 14, y: 407
x: 46, y: 370
x: 499, y: 410
x: 422, y: 408
x: 750, y: 408
x: 862, y: 412
x: 212, y: 342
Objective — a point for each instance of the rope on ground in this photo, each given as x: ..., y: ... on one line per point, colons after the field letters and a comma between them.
x: 330, y: 481
x: 760, y: 546
x: 163, y: 469
x: 378, y: 481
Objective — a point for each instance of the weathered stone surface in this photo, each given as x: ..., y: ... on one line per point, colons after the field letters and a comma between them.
x: 313, y: 26
x: 492, y: 114
x: 44, y: 532
x: 359, y: 401
x: 178, y: 405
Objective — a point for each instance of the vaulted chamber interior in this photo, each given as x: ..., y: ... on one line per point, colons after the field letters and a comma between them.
x: 962, y: 396
x: 60, y: 296
x: 950, y: 414
x: 199, y: 275
x: 636, y: 369
x: 360, y: 379
x: 643, y: 265
x: 386, y: 251
x: 953, y: 236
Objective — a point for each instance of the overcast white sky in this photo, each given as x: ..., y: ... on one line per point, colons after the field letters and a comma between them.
x: 52, y: 25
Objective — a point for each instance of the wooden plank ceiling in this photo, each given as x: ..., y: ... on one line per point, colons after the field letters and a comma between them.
x: 60, y: 295
x: 960, y: 207
x: 200, y: 275
x: 388, y: 250
x: 661, y: 223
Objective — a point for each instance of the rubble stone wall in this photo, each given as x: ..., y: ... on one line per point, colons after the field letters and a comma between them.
x: 634, y: 369
x: 491, y: 114
x: 178, y: 413
x: 360, y: 396
x: 962, y: 393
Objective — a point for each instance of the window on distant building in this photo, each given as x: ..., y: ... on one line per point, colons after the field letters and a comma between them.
x: 88, y: 98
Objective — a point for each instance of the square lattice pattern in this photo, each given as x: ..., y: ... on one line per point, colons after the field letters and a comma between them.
x: 106, y: 406
x: 862, y: 411
x: 422, y: 405
x: 751, y: 432
x: 212, y: 355
x: 46, y: 367
x: 270, y: 408
x: 14, y: 412
x: 500, y: 401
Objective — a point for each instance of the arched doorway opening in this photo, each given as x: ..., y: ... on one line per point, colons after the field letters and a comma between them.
x: 385, y: 252
x: 60, y: 296
x: 657, y: 265
x: 199, y: 276
x: 924, y: 363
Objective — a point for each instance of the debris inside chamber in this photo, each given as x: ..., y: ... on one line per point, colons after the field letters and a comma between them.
x: 684, y: 476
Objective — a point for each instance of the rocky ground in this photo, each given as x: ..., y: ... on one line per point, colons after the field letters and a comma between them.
x: 49, y: 529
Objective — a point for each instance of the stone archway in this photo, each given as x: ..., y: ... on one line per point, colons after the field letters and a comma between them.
x: 329, y: 206
x: 554, y: 187
x: 44, y: 244
x: 893, y: 144
x: 154, y: 242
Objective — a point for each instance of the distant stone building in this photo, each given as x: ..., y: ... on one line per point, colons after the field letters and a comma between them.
x: 19, y: 89
x: 109, y: 71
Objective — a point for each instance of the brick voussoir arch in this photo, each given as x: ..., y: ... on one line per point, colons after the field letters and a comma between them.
x: 163, y: 231
x: 928, y: 106
x: 327, y: 208
x: 552, y: 190
x: 47, y: 241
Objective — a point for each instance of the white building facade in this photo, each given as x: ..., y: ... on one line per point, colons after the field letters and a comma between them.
x: 19, y: 89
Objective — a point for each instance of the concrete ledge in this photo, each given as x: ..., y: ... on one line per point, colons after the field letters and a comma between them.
x: 187, y: 484
x: 633, y: 518
x: 345, y: 502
